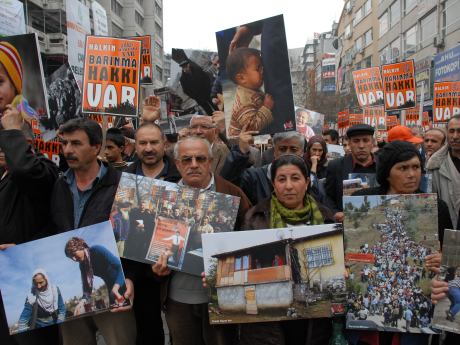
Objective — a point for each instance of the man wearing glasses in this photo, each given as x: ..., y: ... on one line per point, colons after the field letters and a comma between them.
x: 187, y: 301
x: 203, y: 127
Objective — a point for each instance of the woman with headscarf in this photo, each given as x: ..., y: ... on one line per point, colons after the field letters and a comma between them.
x: 289, y: 205
x: 11, y: 77
x: 44, y: 305
x: 399, y: 171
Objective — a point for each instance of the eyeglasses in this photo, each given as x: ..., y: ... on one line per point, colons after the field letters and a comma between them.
x: 189, y: 159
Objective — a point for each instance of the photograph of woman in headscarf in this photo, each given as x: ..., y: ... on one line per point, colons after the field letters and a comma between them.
x: 44, y: 305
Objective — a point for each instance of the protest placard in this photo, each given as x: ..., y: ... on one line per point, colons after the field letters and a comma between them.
x: 111, y: 76
x: 308, y: 122
x: 12, y: 21
x: 368, y: 87
x: 275, y: 274
x: 63, y: 277
x: 146, y: 58
x: 446, y: 101
x: 399, y: 85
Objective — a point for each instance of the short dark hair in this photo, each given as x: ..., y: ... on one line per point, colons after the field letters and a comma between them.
x: 150, y: 124
x: 289, y: 159
x: 236, y: 61
x: 116, y: 136
x: 333, y: 134
x: 90, y: 127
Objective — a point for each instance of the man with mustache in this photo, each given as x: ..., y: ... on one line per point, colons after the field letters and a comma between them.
x: 444, y: 165
x: 84, y: 196
x: 152, y: 162
x: 185, y: 299
x: 361, y: 160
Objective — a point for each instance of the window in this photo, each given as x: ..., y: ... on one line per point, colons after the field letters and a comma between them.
x: 116, y: 30
x: 368, y: 37
x: 347, y: 6
x: 409, y: 5
x: 367, y: 8
x: 395, y: 13
x: 410, y: 41
x: 395, y: 48
x: 158, y: 30
x: 359, y: 43
x: 367, y: 62
x: 117, y: 8
x: 362, y: 12
x: 358, y: 16
x: 158, y: 73
x: 347, y: 31
x: 383, y: 24
x: 385, y: 55
x: 450, y: 16
x: 140, y: 2
x: 319, y: 256
x: 428, y: 29
x: 158, y: 49
x: 241, y: 262
x: 138, y: 18
x: 158, y: 10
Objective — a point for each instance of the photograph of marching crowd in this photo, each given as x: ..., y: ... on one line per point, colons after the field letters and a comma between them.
x: 387, y: 239
x: 151, y: 217
x: 229, y: 173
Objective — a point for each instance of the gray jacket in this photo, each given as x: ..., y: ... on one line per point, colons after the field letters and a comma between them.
x: 445, y: 181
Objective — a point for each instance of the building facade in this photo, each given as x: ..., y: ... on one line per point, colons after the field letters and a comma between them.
x: 125, y: 18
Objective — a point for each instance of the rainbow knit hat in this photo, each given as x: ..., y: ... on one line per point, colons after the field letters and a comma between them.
x: 11, y: 61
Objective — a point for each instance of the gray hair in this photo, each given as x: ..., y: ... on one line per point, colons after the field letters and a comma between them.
x: 193, y: 138
x: 289, y: 135
x: 198, y: 116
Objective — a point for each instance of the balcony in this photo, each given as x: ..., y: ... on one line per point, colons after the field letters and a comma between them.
x: 56, y: 44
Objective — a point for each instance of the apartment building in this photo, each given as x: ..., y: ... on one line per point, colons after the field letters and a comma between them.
x: 124, y: 17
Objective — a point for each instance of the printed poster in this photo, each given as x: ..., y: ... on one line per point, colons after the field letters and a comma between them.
x: 151, y: 216
x: 78, y: 26
x: 308, y: 122
x: 99, y: 19
x: 146, y: 56
x: 111, y: 78
x: 447, y: 65
x: 446, y: 101
x: 275, y: 274
x: 387, y: 238
x: 12, y: 20
x: 31, y: 102
x: 67, y: 276
x: 446, y: 310
x: 368, y: 87
x: 265, y: 102
x: 399, y: 85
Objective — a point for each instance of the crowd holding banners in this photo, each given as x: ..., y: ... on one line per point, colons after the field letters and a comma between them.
x: 446, y: 100
x: 399, y: 86
x: 78, y: 26
x: 244, y: 69
x: 111, y: 76
x: 146, y: 56
x: 44, y: 273
x: 368, y: 87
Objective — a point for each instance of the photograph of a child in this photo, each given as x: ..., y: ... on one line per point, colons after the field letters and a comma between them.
x: 62, y: 277
x: 256, y: 79
x: 21, y: 69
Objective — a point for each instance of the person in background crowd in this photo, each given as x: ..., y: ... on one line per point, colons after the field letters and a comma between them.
x: 26, y: 180
x: 154, y: 163
x: 403, y: 133
x: 185, y: 299
x: 315, y: 156
x: 129, y: 152
x: 331, y: 136
x: 255, y: 181
x: 433, y: 140
x: 360, y: 160
x: 114, y: 147
x: 346, y: 145
x: 289, y: 205
x: 203, y: 126
x: 44, y: 305
x: 84, y: 196
x: 445, y: 168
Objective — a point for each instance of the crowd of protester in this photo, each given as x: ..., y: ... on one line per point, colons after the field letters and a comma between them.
x: 39, y: 199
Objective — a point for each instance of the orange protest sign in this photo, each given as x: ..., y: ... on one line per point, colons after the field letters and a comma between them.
x: 360, y: 257
x: 368, y: 87
x: 100, y: 121
x: 146, y: 58
x: 391, y: 121
x: 399, y: 86
x: 111, y: 76
x: 355, y: 119
x: 446, y: 100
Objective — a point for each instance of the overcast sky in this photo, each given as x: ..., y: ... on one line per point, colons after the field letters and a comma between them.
x: 192, y: 24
